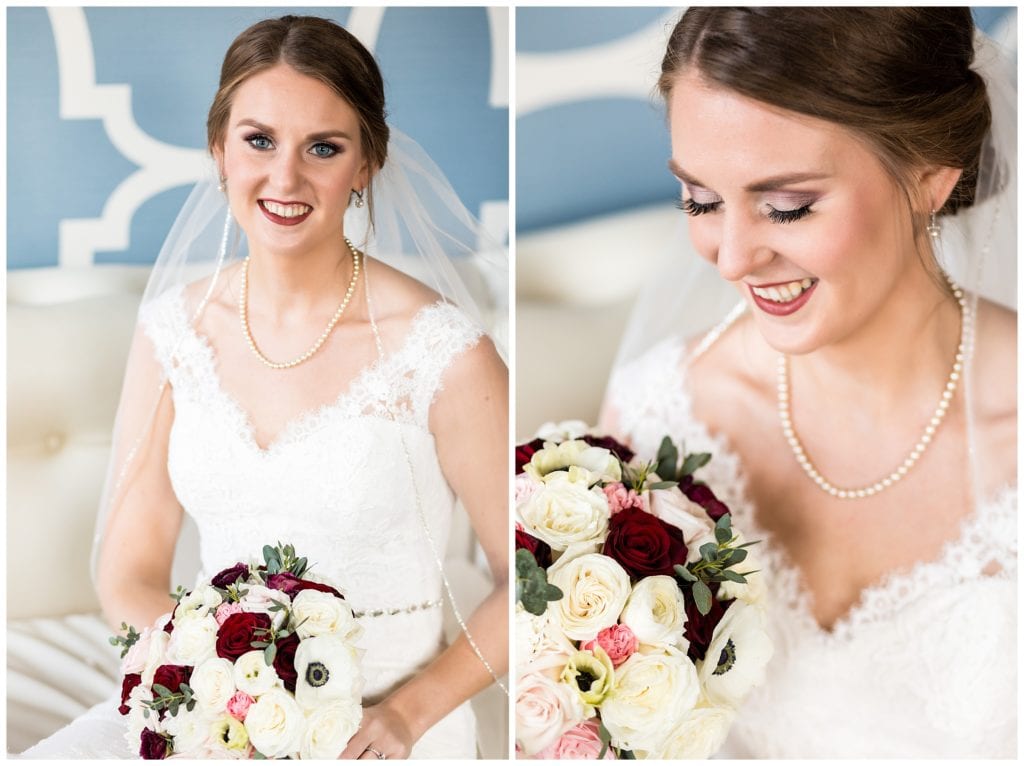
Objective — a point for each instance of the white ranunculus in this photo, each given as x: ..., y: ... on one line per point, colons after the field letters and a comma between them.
x: 656, y: 612
x: 563, y: 512
x: 737, y: 656
x: 276, y: 723
x: 697, y: 737
x: 253, y: 675
x: 190, y: 728
x: 675, y: 508
x: 322, y: 614
x: 156, y: 656
x: 198, y: 603
x: 213, y: 683
x: 193, y: 641
x: 259, y: 598
x: 598, y: 463
x: 329, y: 728
x: 328, y: 671
x: 137, y: 719
x: 559, y: 432
x: 545, y: 710
x: 753, y: 591
x: 653, y: 693
x: 594, y: 590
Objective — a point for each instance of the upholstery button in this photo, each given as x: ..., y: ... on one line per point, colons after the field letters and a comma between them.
x: 53, y: 442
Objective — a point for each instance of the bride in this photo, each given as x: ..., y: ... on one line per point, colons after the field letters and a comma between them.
x: 314, y: 394
x: 837, y: 165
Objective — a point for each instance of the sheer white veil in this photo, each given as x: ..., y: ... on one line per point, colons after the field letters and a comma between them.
x: 420, y: 227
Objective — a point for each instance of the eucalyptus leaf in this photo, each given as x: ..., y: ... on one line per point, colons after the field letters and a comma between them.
x: 161, y: 690
x: 668, y: 458
x: 269, y: 654
x: 723, y: 535
x: 702, y: 597
x: 663, y: 485
x: 736, y: 555
x: 685, y: 573
x: 732, y: 576
x: 709, y: 552
x: 693, y: 462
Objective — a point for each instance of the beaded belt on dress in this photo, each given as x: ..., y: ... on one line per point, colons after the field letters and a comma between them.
x: 399, y: 609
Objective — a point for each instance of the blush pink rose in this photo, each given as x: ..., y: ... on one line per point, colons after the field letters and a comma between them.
x: 618, y: 642
x: 581, y: 742
x: 525, y: 487
x: 238, y: 705
x: 225, y: 610
x: 620, y: 498
x: 135, y: 660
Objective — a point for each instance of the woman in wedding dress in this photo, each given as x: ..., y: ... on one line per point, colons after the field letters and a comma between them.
x: 315, y: 395
x: 860, y: 403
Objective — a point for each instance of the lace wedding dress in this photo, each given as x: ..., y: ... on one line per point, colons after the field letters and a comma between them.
x: 335, y: 484
x: 923, y: 666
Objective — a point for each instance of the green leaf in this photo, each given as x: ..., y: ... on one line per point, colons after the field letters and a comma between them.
x: 736, y: 555
x: 553, y: 593
x: 190, y: 705
x: 606, y: 738
x: 702, y: 597
x: 692, y: 462
x: 732, y: 576
x: 685, y: 573
x: 173, y: 707
x: 668, y: 458
x: 161, y: 690
x: 663, y: 485
x: 709, y: 552
x: 723, y: 535
x: 269, y: 654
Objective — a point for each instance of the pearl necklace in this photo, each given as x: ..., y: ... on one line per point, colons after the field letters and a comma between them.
x: 919, y: 448
x: 243, y: 314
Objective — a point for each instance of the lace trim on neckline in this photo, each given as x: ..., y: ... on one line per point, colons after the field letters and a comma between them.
x: 985, y: 536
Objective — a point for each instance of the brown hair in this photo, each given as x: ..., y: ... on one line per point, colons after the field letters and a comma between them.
x: 899, y: 78
x: 320, y: 49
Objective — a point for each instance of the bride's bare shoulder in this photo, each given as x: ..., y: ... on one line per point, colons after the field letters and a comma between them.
x: 995, y: 361
x: 397, y: 297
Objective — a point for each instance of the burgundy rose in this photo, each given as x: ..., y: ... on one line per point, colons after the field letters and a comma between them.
x: 702, y: 495
x: 169, y: 627
x: 129, y: 682
x: 284, y: 661
x: 540, y: 549
x: 230, y: 576
x: 617, y: 448
x: 172, y: 676
x: 291, y: 585
x: 525, y: 451
x: 644, y: 544
x: 236, y: 634
x: 701, y: 627
x: 154, y: 746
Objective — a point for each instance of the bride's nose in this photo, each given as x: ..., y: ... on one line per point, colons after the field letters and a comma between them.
x: 286, y: 171
x: 739, y: 250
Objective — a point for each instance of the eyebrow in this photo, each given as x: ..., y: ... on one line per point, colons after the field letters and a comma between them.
x: 311, y: 137
x: 764, y: 185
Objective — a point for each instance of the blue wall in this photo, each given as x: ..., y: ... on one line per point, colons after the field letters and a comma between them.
x: 587, y: 143
x: 436, y: 64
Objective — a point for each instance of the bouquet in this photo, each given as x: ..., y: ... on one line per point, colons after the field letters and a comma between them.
x: 257, y: 662
x: 639, y: 622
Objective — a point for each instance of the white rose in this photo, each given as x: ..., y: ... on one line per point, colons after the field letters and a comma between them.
x: 597, y: 463
x: 329, y: 728
x: 652, y: 693
x: 259, y: 598
x: 137, y: 719
x: 328, y: 671
x: 190, y: 729
x: 564, y: 512
x: 656, y: 612
x: 545, y: 710
x: 736, y: 658
x: 697, y: 737
x: 156, y: 656
x: 193, y: 641
x: 753, y: 591
x: 559, y: 432
x: 594, y: 590
x: 213, y: 683
x: 675, y: 508
x: 319, y: 614
x: 253, y: 675
x: 275, y: 724
x: 540, y: 642
x: 198, y: 603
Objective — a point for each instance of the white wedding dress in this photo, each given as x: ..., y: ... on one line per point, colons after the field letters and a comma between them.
x: 336, y: 485
x: 925, y: 665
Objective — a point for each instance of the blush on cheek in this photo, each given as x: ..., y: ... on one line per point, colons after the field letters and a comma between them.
x: 704, y: 241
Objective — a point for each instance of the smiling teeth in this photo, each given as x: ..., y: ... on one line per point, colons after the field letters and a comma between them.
x: 783, y: 293
x: 286, y: 211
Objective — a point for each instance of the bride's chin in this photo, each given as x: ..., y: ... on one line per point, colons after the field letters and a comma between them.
x: 791, y: 341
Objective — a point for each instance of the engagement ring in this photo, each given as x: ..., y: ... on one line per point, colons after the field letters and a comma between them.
x: 378, y: 753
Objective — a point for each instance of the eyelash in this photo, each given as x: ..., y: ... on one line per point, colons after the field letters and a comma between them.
x: 251, y: 140
x: 692, y: 207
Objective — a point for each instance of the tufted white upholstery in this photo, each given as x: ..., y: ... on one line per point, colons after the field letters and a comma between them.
x: 67, y: 343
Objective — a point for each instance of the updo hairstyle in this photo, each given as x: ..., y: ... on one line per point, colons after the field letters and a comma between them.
x: 320, y: 49
x: 899, y: 78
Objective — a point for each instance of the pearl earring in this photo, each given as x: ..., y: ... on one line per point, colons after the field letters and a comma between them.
x: 359, y: 197
x: 934, y: 228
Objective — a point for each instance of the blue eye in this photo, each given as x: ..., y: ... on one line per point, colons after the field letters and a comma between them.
x: 324, y: 149
x: 259, y: 141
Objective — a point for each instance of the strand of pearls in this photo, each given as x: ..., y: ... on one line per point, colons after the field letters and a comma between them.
x: 846, y: 493
x: 243, y: 314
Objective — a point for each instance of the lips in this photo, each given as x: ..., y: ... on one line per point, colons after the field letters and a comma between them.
x: 284, y: 213
x: 783, y: 298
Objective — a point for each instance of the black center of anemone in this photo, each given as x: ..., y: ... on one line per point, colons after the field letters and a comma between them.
x: 317, y: 674
x: 726, y: 659
x: 585, y: 680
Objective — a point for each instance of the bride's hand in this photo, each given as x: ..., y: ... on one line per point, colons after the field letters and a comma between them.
x: 385, y: 731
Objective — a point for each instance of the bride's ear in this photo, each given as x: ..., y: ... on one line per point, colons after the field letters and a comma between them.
x: 935, y: 184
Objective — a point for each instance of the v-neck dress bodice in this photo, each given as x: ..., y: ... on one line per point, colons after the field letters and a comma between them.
x: 924, y: 665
